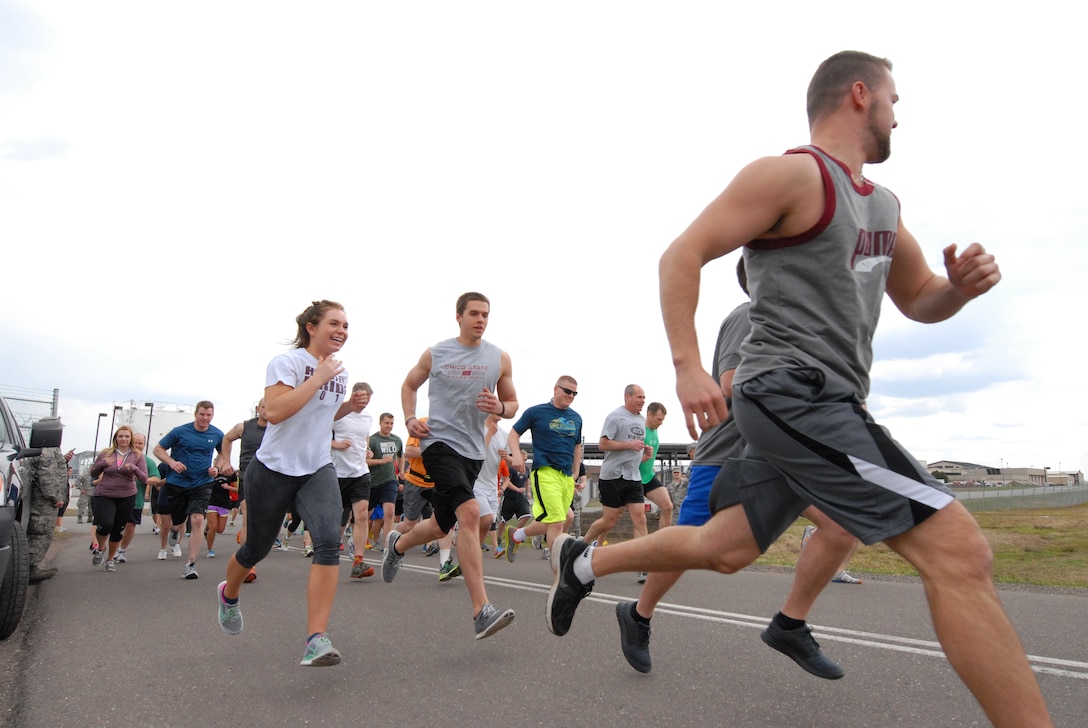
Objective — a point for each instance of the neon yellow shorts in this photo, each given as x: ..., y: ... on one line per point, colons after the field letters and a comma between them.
x: 553, y: 493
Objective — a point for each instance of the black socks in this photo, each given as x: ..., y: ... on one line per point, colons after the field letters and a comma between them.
x: 788, y: 623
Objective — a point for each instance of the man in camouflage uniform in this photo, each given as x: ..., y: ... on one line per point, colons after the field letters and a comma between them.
x: 678, y: 490
x: 86, y: 490
x: 46, y: 479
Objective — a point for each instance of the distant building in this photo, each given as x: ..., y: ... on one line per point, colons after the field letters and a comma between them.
x: 973, y: 474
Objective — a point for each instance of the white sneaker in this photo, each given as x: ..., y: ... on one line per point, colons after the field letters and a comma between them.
x: 806, y: 535
x: 845, y: 577
x: 121, y: 557
x: 162, y: 555
x: 177, y: 551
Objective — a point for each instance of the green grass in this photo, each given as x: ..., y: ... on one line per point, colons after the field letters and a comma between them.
x: 1045, y: 547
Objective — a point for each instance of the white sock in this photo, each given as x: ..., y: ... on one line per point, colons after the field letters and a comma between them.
x: 443, y: 555
x: 519, y: 534
x: 583, y: 566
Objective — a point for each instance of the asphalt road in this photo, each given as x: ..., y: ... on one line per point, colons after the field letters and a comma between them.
x: 141, y: 647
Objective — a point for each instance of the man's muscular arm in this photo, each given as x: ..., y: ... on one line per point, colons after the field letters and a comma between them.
x: 770, y: 198
x: 924, y: 296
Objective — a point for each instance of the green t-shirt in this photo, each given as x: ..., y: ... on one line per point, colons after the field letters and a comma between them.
x: 646, y: 469
x: 152, y: 469
x: 382, y: 446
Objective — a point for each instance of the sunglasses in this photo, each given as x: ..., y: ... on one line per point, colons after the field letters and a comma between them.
x: 569, y: 392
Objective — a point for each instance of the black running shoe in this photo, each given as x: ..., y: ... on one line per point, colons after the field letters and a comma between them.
x: 802, y: 648
x: 634, y: 637
x: 566, y: 591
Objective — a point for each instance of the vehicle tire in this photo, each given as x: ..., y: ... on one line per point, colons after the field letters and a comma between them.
x: 13, y: 591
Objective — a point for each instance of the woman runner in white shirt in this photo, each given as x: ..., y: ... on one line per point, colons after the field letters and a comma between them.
x: 305, y: 389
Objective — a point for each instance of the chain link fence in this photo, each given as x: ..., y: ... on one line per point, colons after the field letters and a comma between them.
x: 30, y: 405
x: 1012, y: 498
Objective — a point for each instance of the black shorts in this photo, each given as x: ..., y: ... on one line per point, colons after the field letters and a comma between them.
x: 453, y: 476
x: 384, y: 492
x: 159, y: 502
x: 184, y: 502
x: 653, y: 484
x: 619, y: 493
x: 136, y: 516
x: 241, y: 491
x: 514, y: 506
x: 353, y: 490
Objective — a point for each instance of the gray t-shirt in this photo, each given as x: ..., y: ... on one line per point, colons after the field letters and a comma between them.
x: 458, y: 374
x: 816, y: 297
x: 722, y: 442
x: 621, y: 425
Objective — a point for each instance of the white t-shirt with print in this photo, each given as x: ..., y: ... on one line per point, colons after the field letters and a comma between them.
x: 300, y: 444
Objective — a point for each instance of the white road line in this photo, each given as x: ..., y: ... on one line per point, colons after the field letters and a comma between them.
x: 927, y: 648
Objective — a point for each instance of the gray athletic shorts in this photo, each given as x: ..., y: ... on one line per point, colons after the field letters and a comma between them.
x: 417, y: 502
x: 813, y: 431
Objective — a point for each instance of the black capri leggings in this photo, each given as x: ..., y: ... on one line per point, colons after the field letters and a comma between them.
x: 111, y: 515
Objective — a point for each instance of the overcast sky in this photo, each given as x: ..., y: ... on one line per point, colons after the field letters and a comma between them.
x: 179, y: 180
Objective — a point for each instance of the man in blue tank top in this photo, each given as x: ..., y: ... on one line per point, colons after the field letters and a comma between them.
x: 822, y: 245
x: 467, y: 379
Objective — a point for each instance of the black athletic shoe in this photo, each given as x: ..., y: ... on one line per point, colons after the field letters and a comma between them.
x: 802, y: 648
x: 634, y: 637
x: 566, y: 591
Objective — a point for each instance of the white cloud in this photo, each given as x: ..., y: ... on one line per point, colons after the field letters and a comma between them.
x: 223, y: 165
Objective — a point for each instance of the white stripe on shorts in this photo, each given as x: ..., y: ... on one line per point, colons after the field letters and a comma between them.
x: 904, y: 486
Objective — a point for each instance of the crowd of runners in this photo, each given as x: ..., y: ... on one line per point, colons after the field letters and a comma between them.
x: 783, y: 420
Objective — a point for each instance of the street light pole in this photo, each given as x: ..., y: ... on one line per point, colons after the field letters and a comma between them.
x: 113, y: 419
x: 97, y: 427
x: 149, y: 417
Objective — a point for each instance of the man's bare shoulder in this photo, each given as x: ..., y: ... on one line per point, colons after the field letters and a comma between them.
x: 788, y: 187
x: 784, y: 172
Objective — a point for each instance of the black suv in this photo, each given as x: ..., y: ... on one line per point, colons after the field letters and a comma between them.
x: 14, y: 560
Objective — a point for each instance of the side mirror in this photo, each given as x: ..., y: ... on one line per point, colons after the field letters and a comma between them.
x: 26, y: 452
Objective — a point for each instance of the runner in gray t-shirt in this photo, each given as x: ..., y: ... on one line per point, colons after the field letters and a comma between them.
x: 620, y: 482
x: 468, y: 379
